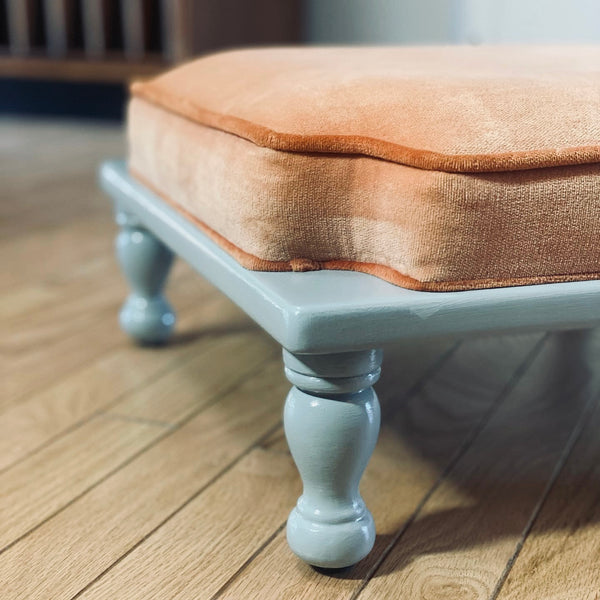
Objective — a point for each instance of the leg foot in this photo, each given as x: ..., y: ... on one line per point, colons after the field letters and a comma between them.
x: 331, y: 423
x: 146, y: 315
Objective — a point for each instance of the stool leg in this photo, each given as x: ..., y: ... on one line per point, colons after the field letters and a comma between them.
x: 331, y: 423
x: 146, y: 315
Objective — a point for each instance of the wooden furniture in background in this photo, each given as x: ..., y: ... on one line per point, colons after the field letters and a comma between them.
x: 115, y: 40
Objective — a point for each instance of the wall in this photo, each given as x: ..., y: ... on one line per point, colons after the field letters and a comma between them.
x: 451, y: 21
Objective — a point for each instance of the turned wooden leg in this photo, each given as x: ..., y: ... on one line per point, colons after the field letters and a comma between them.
x: 146, y: 315
x: 331, y: 423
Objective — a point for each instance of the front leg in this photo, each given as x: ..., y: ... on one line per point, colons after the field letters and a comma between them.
x: 331, y: 423
x: 146, y: 315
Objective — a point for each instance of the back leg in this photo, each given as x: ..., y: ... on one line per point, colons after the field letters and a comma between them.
x: 146, y: 315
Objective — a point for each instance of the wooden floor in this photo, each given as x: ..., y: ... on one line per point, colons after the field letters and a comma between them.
x: 137, y: 473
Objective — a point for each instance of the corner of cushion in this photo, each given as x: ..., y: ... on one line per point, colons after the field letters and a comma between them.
x: 136, y: 87
x: 146, y: 89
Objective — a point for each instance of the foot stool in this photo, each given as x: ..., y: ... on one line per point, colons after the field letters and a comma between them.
x: 347, y: 198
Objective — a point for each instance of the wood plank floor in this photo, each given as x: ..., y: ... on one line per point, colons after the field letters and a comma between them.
x: 138, y: 473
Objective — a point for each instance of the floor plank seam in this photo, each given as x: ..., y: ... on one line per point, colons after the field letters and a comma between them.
x: 54, y: 286
x: 18, y: 400
x: 73, y: 427
x: 416, y: 387
x: 123, y: 342
x: 134, y: 456
x: 190, y: 499
x: 590, y: 406
x: 248, y: 561
x: 139, y: 420
x: 158, y: 374
x: 503, y: 394
x: 89, y: 489
x: 140, y: 386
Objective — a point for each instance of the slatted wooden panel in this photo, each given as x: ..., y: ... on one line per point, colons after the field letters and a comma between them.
x: 101, y: 29
x: 120, y: 39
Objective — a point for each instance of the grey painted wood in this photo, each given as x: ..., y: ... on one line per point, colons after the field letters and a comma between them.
x: 331, y: 421
x: 146, y: 315
x: 332, y: 311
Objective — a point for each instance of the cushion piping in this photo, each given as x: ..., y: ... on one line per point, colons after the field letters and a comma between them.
x: 366, y: 146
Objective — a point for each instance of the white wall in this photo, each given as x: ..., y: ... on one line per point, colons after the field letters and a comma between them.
x: 452, y: 21
x: 378, y: 21
x: 529, y: 21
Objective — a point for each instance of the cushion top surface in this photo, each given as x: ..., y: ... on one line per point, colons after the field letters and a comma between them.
x: 455, y: 109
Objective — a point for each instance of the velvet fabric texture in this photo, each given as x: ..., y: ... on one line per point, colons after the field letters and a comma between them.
x: 433, y: 168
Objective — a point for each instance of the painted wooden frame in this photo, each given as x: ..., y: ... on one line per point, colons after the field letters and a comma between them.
x: 331, y: 325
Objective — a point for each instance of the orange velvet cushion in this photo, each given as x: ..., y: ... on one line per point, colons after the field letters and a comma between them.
x: 434, y: 168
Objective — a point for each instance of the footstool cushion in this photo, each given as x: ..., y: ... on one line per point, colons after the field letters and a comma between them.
x: 433, y: 168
